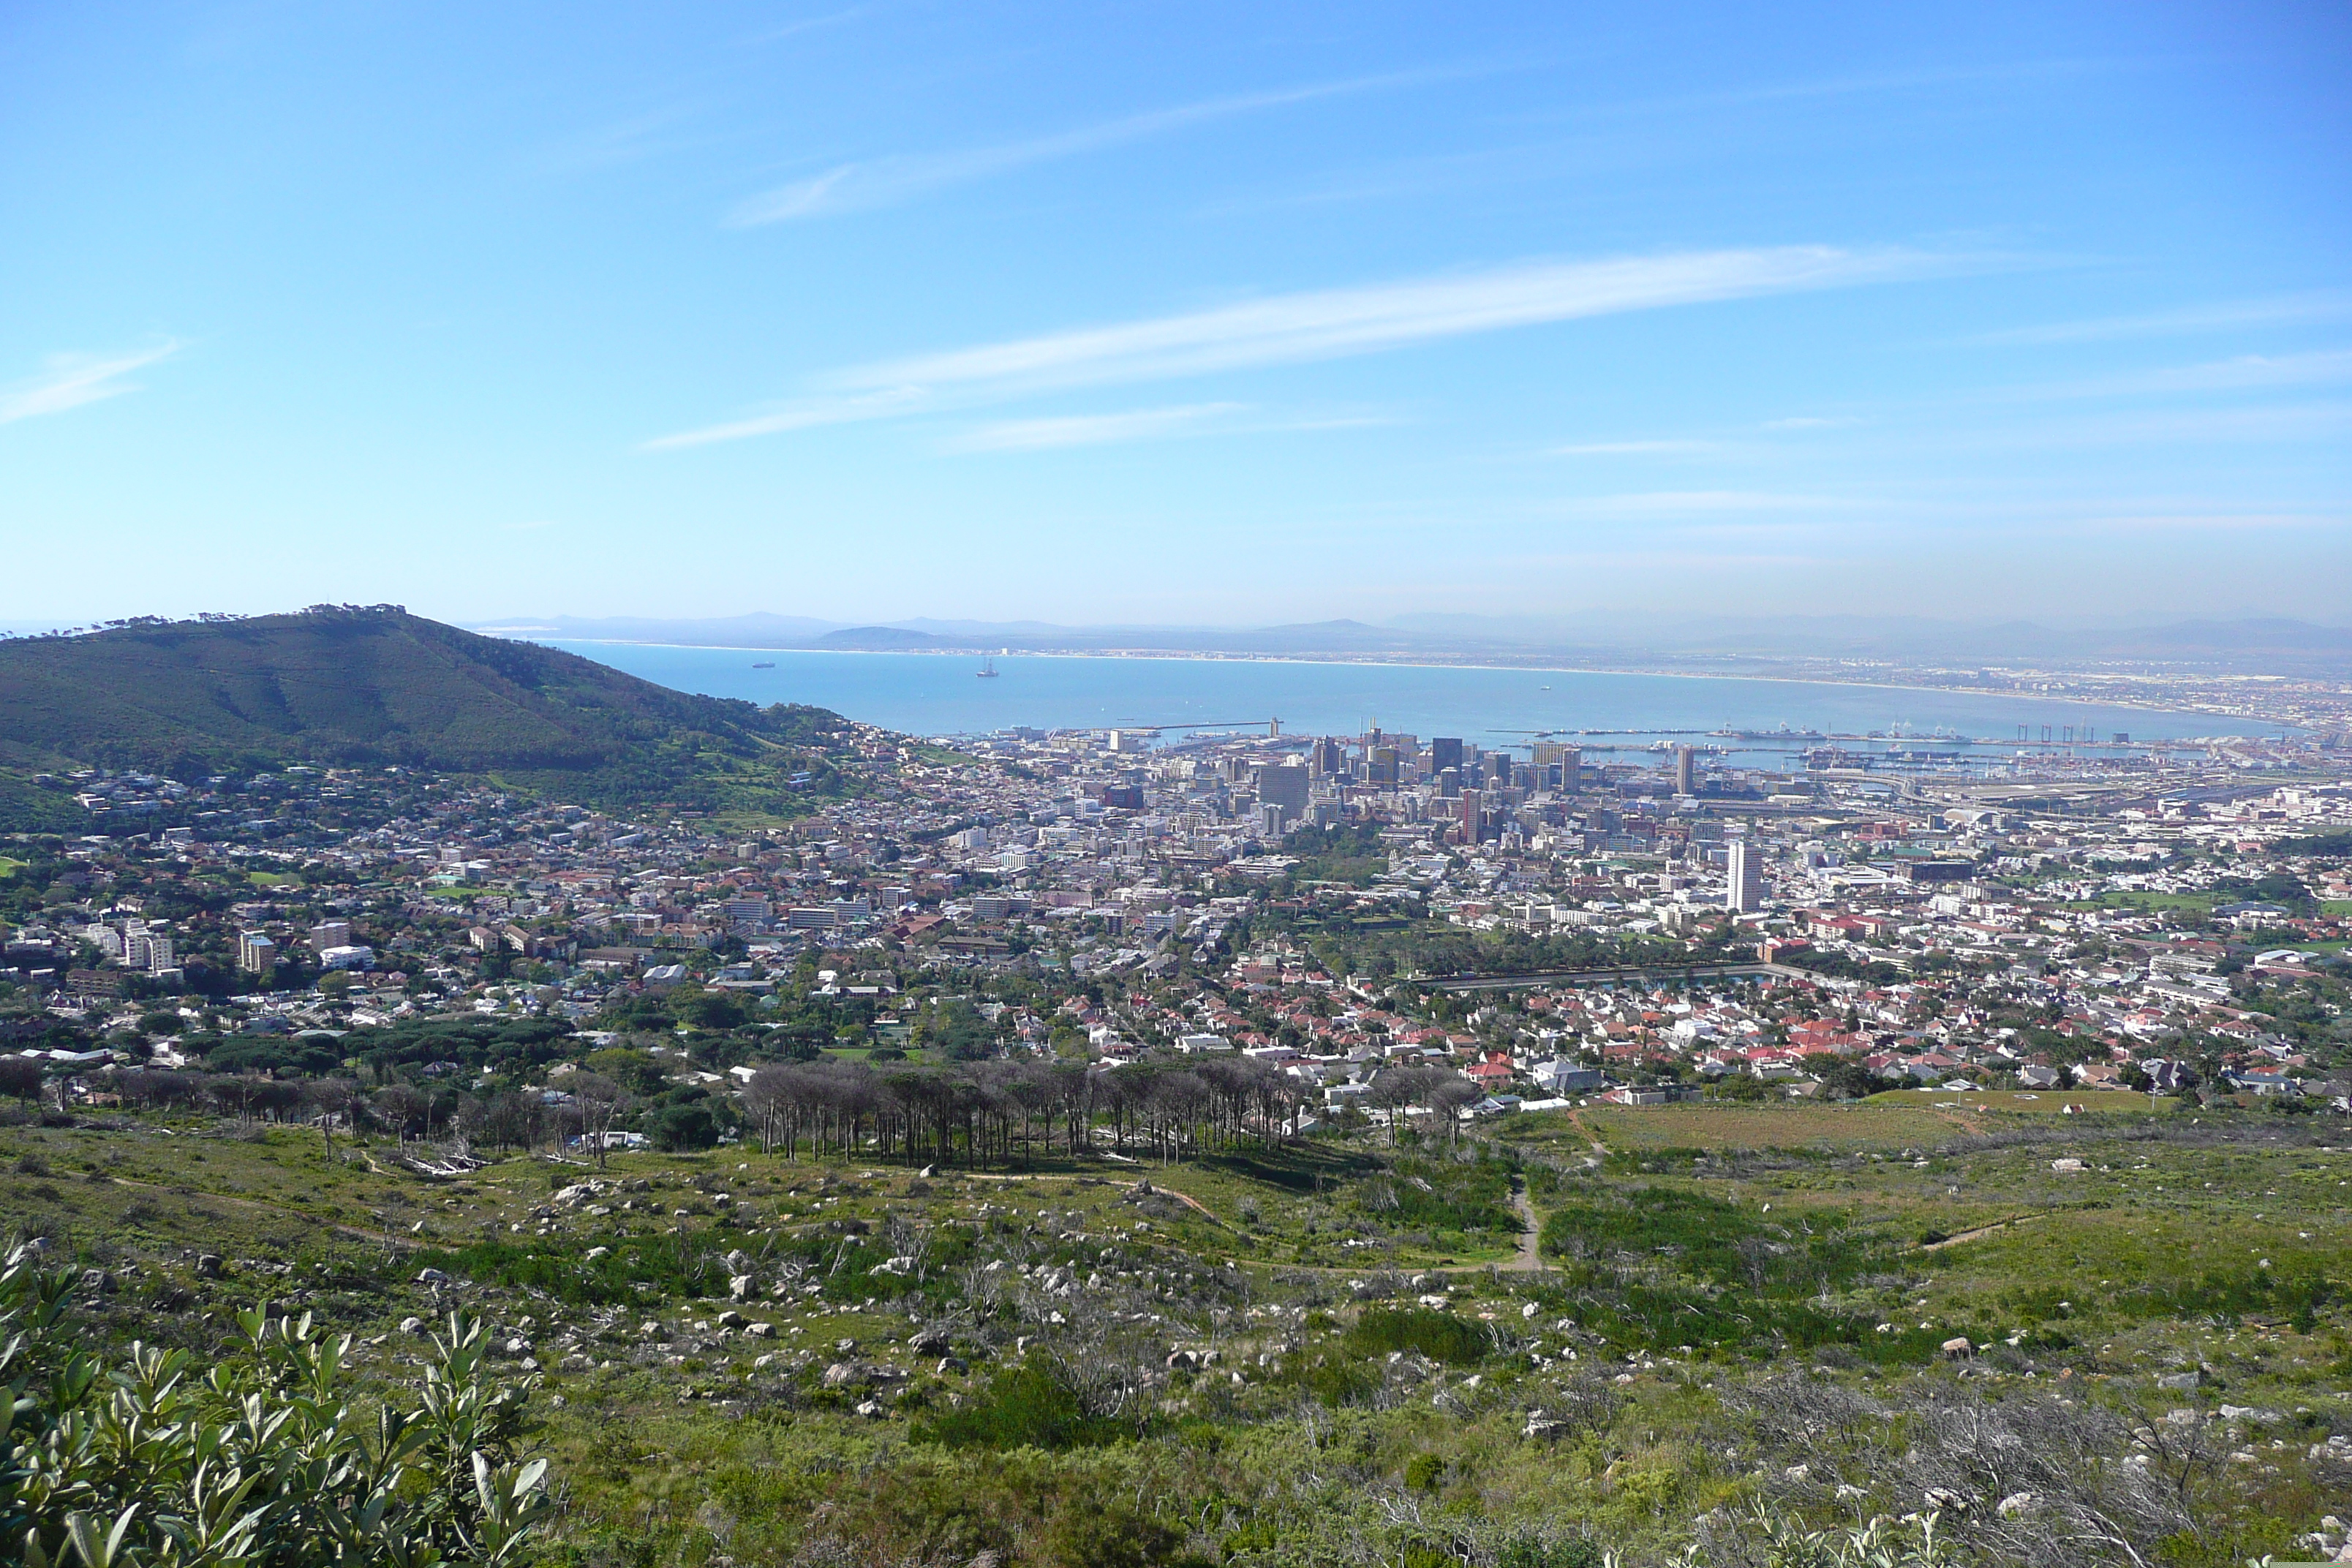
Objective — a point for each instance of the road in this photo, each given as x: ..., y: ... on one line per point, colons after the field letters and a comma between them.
x: 1654, y: 974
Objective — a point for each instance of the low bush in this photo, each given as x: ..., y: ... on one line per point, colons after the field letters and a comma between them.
x: 1440, y: 1336
x: 268, y: 1459
x: 1027, y: 1407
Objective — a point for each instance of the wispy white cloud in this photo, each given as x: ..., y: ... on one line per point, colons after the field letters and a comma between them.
x: 1094, y: 429
x: 1146, y: 425
x: 1753, y: 513
x: 1908, y: 83
x: 1701, y: 447
x: 2171, y: 427
x: 1617, y: 137
x: 2285, y: 309
x: 1322, y: 324
x: 1699, y: 503
x: 1337, y: 323
x: 1661, y: 448
x: 1881, y: 82
x: 636, y: 139
x: 2238, y: 374
x: 1914, y: 506
x: 2205, y: 521
x: 887, y: 181
x: 73, y: 380
x: 1713, y: 559
x: 803, y: 415
x: 793, y: 30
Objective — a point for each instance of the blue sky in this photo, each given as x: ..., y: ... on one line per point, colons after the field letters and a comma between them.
x: 1176, y: 313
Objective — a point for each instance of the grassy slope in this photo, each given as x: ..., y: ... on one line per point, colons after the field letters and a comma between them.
x: 674, y: 1453
x: 386, y: 688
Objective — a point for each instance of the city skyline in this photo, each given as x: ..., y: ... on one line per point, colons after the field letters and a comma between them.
x: 1217, y: 317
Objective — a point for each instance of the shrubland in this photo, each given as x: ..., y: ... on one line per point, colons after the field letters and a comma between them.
x: 1892, y: 1331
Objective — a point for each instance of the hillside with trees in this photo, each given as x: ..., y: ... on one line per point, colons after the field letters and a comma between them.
x: 354, y: 686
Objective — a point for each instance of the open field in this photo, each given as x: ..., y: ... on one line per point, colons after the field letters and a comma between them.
x: 2201, y: 903
x: 2041, y: 1102
x: 892, y: 1380
x: 1882, y: 1122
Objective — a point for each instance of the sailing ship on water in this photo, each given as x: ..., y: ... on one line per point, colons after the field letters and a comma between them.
x: 987, y: 670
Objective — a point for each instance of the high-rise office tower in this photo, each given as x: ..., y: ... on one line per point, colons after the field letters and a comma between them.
x: 1444, y: 752
x: 1284, y: 787
x: 1685, y: 770
x: 1550, y: 754
x: 1744, y: 892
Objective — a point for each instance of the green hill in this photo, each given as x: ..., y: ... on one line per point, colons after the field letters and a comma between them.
x: 357, y: 686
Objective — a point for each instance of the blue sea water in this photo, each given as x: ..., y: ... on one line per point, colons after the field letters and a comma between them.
x: 938, y: 694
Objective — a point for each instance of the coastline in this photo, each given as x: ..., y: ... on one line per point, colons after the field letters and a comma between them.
x: 2139, y: 703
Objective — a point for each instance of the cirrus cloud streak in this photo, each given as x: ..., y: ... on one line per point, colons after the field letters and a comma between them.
x: 1323, y: 324
x: 888, y: 181
x: 74, y: 380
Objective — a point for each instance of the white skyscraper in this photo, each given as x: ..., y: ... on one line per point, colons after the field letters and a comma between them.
x: 1745, y: 891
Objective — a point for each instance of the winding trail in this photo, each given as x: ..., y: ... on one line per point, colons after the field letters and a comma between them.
x: 1599, y: 1150
x: 1527, y: 1261
x: 1960, y: 1235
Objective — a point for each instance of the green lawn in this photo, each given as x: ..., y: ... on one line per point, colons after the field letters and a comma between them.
x: 2201, y: 902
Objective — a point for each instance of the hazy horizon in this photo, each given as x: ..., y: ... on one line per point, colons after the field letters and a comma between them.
x: 1223, y: 316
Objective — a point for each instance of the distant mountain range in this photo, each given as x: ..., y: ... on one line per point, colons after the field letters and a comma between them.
x: 2251, y: 646
x: 1919, y: 637
x: 347, y: 684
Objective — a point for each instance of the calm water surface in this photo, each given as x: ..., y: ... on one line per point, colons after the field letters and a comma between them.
x: 939, y: 694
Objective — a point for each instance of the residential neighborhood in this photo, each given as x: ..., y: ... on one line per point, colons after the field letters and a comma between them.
x: 1499, y: 931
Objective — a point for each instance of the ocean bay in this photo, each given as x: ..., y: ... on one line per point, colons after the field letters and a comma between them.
x: 938, y: 694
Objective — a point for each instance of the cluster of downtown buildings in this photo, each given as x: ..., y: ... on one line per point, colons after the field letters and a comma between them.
x: 1157, y: 897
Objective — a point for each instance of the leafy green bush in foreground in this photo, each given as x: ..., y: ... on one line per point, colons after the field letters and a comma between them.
x: 265, y: 1462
